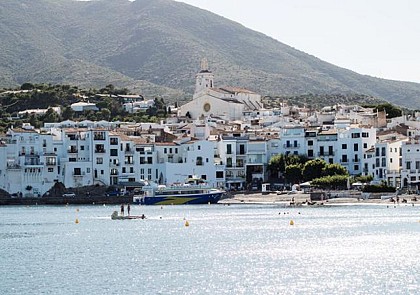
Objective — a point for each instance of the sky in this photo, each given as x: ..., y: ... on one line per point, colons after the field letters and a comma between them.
x: 380, y: 38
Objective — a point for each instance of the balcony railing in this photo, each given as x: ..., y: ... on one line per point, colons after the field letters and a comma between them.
x: 291, y: 146
x: 79, y: 174
x: 326, y: 154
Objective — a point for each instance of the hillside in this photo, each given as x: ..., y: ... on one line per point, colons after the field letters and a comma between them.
x: 154, y: 47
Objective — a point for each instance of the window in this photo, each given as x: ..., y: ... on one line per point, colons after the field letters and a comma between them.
x: 82, y: 147
x: 123, y: 170
x: 242, y: 149
x: 365, y: 145
x: 344, y: 159
x: 77, y: 171
x: 356, y: 167
x: 99, y: 160
x: 365, y: 134
x: 356, y: 147
x: 383, y: 162
x: 310, y: 153
x: 229, y: 149
x: 204, y: 176
x: 199, y: 147
x: 113, y: 152
x: 176, y: 150
x: 219, y: 174
x: 50, y: 169
x: 165, y: 150
x: 310, y: 142
x: 199, y: 161
x: 408, y: 165
x: 170, y: 150
x: 87, y: 170
x: 149, y: 160
x: 229, y: 162
x: 344, y: 146
x: 131, y: 169
x: 355, y: 135
x: 417, y: 164
x: 383, y: 151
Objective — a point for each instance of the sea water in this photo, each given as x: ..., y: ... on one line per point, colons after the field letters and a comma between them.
x: 237, y: 249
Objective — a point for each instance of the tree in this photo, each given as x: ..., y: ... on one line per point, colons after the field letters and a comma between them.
x: 67, y: 113
x: 334, y: 169
x: 105, y: 114
x: 50, y: 116
x: 27, y: 86
x: 277, y: 164
x: 313, y: 169
x: 293, y: 173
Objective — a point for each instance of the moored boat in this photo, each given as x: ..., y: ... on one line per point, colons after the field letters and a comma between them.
x: 193, y: 192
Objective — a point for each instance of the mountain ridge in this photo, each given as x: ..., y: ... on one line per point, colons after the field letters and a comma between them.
x: 154, y: 47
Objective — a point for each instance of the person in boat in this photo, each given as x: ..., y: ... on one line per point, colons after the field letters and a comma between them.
x: 143, y: 216
x: 122, y: 209
x: 128, y: 209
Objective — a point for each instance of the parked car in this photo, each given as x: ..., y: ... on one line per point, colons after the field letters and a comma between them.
x: 114, y: 194
x: 69, y: 195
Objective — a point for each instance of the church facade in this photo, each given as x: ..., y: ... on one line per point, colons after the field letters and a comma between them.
x: 225, y: 102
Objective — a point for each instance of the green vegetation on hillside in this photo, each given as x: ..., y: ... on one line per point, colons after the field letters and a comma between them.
x: 43, y: 96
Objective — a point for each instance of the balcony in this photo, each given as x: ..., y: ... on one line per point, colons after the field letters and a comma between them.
x: 291, y: 146
x: 13, y: 166
x: 356, y: 160
x: 326, y: 154
x: 33, y: 163
x: 79, y: 174
x: 100, y: 151
x: 99, y: 136
x: 72, y: 151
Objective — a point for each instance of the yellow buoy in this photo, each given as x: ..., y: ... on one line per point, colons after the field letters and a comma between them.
x: 292, y: 222
x: 77, y: 220
x: 187, y: 223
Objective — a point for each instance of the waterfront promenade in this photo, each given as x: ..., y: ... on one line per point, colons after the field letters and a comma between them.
x: 302, y: 198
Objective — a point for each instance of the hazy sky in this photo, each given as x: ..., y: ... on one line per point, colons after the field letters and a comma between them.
x: 380, y: 38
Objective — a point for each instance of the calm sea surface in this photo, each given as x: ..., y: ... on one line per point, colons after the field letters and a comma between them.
x: 237, y: 249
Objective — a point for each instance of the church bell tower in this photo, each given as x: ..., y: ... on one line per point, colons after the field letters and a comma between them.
x: 204, y: 78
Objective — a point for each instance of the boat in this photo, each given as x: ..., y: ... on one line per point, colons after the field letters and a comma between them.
x: 194, y: 191
x: 115, y: 216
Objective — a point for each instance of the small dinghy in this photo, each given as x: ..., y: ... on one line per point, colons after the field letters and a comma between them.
x: 115, y: 216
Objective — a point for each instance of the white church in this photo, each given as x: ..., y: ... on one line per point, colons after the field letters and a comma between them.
x: 226, y: 102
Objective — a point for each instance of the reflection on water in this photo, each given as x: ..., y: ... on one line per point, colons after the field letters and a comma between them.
x: 237, y: 249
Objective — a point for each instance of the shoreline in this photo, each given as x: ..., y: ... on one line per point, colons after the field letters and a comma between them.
x: 301, y: 199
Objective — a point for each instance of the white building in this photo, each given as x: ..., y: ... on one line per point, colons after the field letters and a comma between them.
x: 226, y: 102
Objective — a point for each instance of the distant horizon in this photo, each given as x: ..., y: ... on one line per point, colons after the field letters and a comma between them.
x: 375, y: 38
